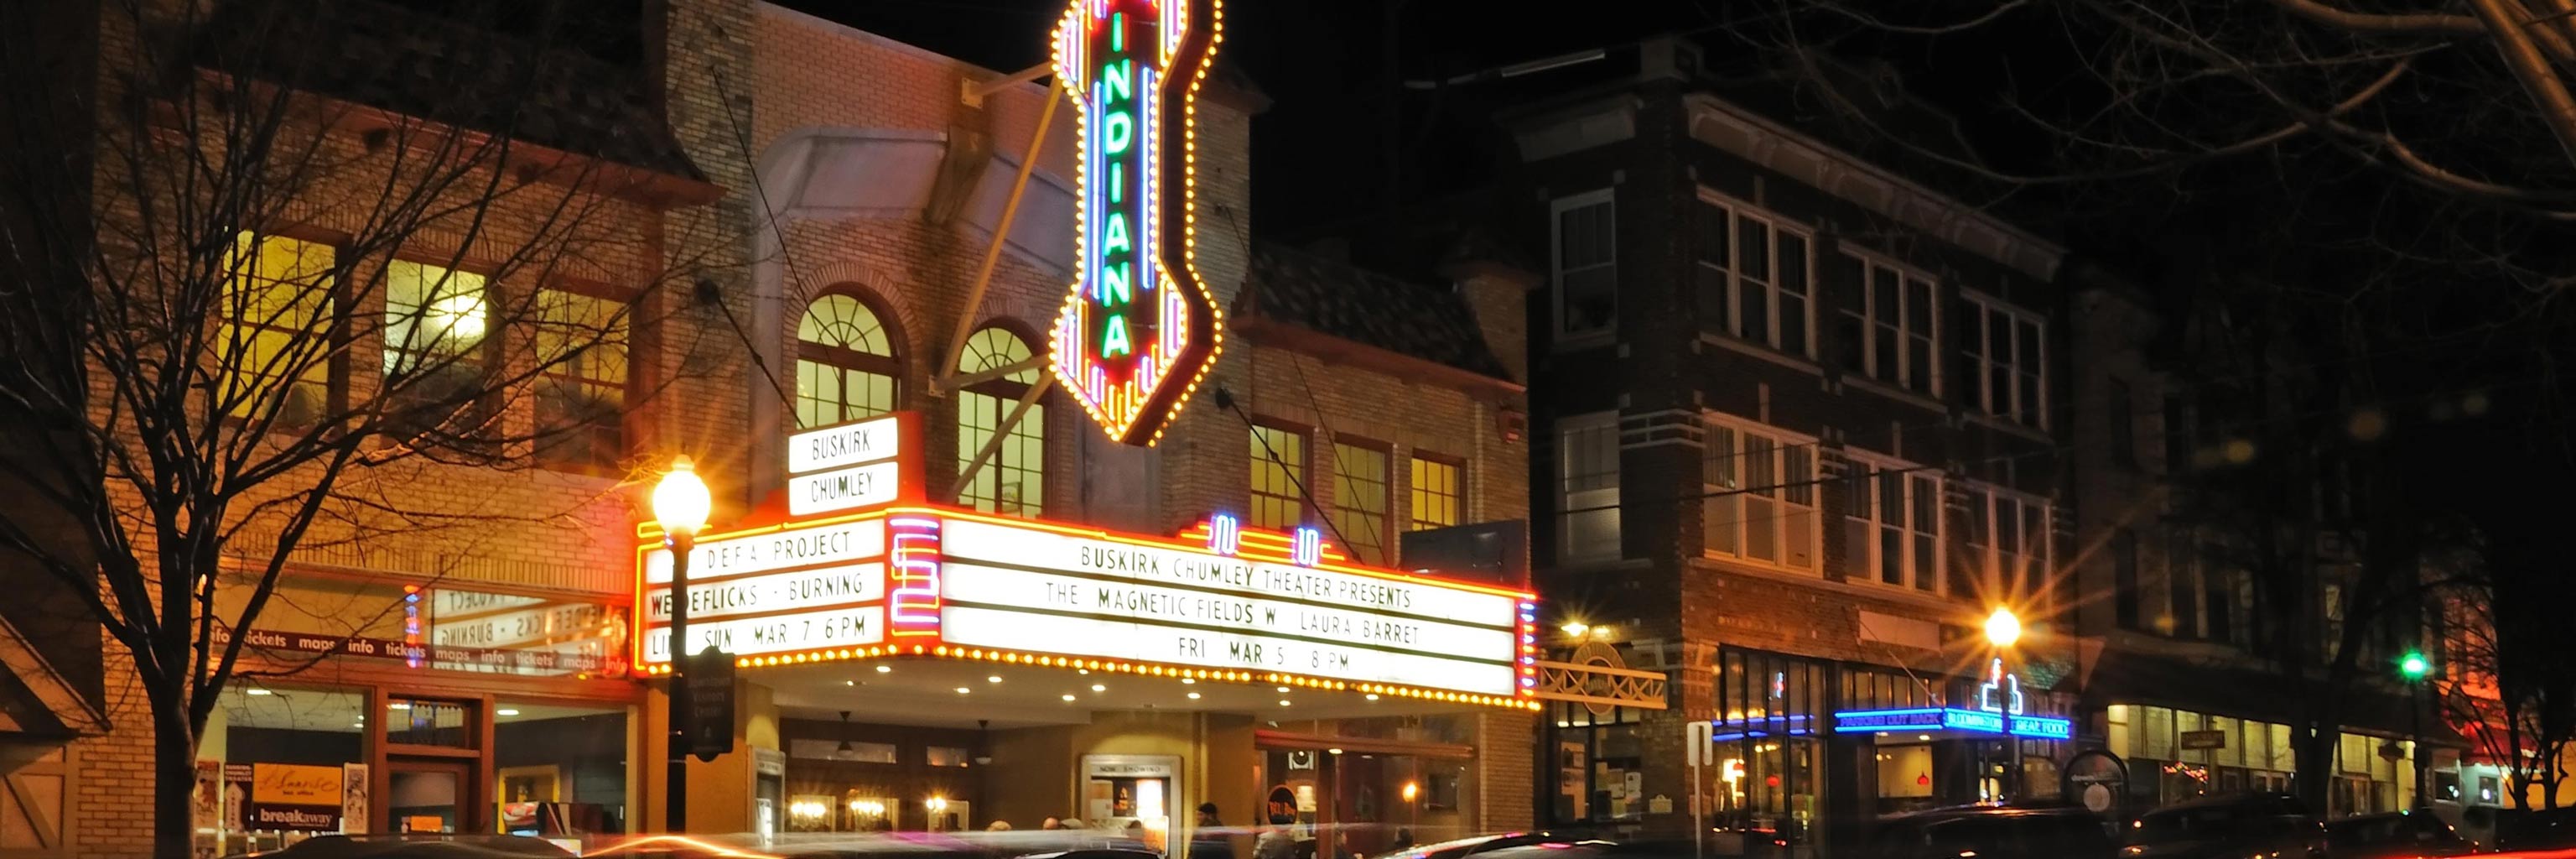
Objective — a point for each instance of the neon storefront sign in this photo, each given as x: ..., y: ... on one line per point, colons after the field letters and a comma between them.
x: 1139, y: 328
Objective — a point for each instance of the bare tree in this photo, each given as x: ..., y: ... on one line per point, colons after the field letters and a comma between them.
x: 256, y: 295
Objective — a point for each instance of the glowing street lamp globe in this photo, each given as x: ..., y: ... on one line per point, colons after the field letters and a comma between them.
x: 681, y: 501
x: 2003, y: 628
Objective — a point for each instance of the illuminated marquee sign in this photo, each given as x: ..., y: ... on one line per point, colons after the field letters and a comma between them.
x: 1139, y: 328
x: 914, y: 579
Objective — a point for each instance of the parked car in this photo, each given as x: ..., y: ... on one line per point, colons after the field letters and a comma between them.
x: 2228, y: 827
x: 418, y: 846
x: 2520, y: 828
x: 2394, y: 835
x: 1990, y: 832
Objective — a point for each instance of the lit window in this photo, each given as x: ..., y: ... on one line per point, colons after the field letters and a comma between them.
x: 1360, y: 499
x: 436, y: 319
x: 2007, y: 355
x: 1278, y: 477
x: 845, y: 362
x: 581, y: 345
x: 1761, y: 504
x: 1586, y: 261
x: 1887, y: 323
x: 1587, y: 494
x: 1895, y: 524
x: 1436, y: 493
x: 1012, y: 481
x: 274, y: 353
x: 1754, y: 277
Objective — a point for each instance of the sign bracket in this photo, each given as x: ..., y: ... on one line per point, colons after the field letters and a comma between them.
x: 947, y: 379
x: 1001, y: 433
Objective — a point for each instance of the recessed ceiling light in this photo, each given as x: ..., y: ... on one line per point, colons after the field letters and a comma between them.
x: 1082, y: 671
x: 993, y: 679
x: 1283, y: 690
x: 849, y: 682
x: 961, y: 690
x: 1332, y: 751
x: 1194, y: 696
x: 881, y: 669
x: 1372, y: 696
x: 398, y: 705
x: 505, y: 711
x: 1923, y: 737
x: 1099, y: 688
x: 1188, y: 680
x: 1283, y: 702
x: 257, y: 692
x: 1068, y: 696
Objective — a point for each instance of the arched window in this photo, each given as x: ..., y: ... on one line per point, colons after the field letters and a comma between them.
x: 845, y: 362
x: 1013, y: 481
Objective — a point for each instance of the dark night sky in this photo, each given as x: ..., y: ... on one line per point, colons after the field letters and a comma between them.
x: 1319, y: 153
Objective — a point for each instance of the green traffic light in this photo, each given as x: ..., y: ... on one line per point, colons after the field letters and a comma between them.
x: 2414, y: 666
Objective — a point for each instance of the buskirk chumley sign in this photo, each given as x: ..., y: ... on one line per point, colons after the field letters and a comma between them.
x: 1140, y: 328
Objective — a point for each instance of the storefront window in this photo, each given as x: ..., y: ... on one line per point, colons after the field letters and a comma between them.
x: 560, y: 772
x: 1595, y: 752
x: 290, y: 763
x: 1768, y: 706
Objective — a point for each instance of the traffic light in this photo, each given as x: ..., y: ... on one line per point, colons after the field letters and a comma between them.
x: 2413, y: 665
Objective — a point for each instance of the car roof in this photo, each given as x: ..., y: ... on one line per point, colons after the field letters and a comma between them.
x: 2006, y: 811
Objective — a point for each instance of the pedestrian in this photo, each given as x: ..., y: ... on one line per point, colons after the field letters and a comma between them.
x: 1275, y: 842
x: 998, y: 826
x: 1207, y: 836
x: 1051, y: 824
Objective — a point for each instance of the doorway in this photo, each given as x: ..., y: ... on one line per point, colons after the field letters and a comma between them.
x: 430, y: 796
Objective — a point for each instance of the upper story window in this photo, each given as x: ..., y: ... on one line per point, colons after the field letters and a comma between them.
x: 2006, y: 350
x: 1754, y: 276
x: 1438, y: 487
x: 1360, y: 496
x: 1587, y: 487
x: 1012, y: 481
x: 1886, y: 324
x: 2008, y: 538
x: 1278, y: 477
x: 581, y: 345
x: 274, y: 352
x: 845, y: 362
x: 436, y: 322
x: 1894, y: 525
x: 1584, y: 260
x: 1761, y: 495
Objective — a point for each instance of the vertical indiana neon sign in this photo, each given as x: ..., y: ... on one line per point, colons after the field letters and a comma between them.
x: 1140, y: 328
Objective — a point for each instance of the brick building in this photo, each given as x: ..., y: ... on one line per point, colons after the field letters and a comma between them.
x: 1344, y: 400
x: 1798, y: 420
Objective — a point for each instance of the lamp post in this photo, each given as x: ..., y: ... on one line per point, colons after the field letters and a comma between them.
x: 2413, y: 666
x: 2002, y: 629
x: 680, y: 505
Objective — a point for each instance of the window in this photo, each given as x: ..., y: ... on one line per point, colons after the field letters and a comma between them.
x: 1436, y: 492
x: 2124, y: 430
x: 1587, y: 488
x: 845, y: 362
x: 2178, y: 436
x: 1278, y: 477
x: 1761, y: 499
x: 946, y: 756
x: 1586, y: 261
x: 274, y: 353
x: 2124, y: 577
x: 581, y: 380
x: 1012, y: 481
x: 434, y: 324
x: 1895, y: 524
x: 1886, y: 330
x: 2008, y: 533
x: 1360, y: 499
x: 2182, y: 584
x: 1754, y: 277
x: 2007, y: 360
x: 2220, y: 617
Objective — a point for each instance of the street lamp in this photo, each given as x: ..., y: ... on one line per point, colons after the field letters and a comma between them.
x: 2002, y: 629
x: 2414, y: 667
x: 680, y: 504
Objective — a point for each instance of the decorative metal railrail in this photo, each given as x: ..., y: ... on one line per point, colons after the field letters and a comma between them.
x: 1601, y: 686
